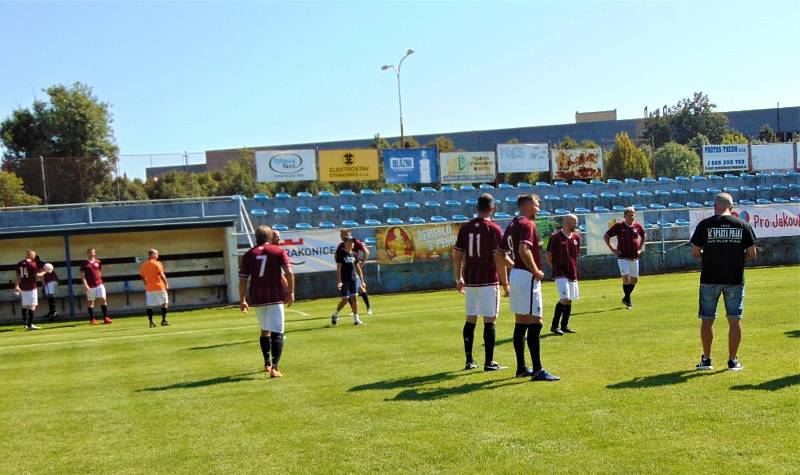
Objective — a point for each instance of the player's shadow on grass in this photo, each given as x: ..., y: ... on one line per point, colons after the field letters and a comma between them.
x: 412, y: 382
x: 772, y: 385
x: 61, y: 326
x: 666, y: 379
x: 218, y: 345
x: 429, y: 394
x: 203, y: 383
x: 792, y: 333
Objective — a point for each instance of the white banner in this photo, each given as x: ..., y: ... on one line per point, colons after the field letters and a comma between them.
x: 467, y: 167
x: 311, y: 251
x: 773, y: 156
x: 596, y: 227
x: 286, y: 165
x: 523, y: 157
x: 723, y: 158
x: 767, y: 221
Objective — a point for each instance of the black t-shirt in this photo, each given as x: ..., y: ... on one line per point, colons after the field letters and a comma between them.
x: 724, y: 239
x: 348, y: 262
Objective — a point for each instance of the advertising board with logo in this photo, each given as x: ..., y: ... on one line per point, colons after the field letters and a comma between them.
x: 410, y: 165
x: 596, y: 227
x: 467, y: 167
x: 767, y: 221
x: 523, y: 158
x: 352, y: 164
x: 286, y: 165
x: 311, y: 251
x: 408, y: 244
x: 773, y: 156
x: 577, y: 164
x: 723, y: 158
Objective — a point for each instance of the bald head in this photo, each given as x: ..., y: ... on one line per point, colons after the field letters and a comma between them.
x: 569, y: 223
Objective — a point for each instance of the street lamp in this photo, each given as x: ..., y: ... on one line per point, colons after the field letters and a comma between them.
x: 399, y: 98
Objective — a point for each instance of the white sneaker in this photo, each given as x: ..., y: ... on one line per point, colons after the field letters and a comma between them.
x: 32, y: 327
x: 369, y: 311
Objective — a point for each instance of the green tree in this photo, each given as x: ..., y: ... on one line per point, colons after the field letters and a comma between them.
x: 734, y: 137
x: 12, y: 192
x: 626, y: 160
x: 657, y: 129
x: 183, y: 185
x: 239, y: 176
x: 567, y: 143
x: 685, y: 120
x: 72, y: 131
x: 674, y: 159
x: 767, y: 135
x: 445, y: 144
x: 380, y: 142
x: 410, y: 142
x: 119, y: 189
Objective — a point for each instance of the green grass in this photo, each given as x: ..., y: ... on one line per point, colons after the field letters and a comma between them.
x: 391, y: 397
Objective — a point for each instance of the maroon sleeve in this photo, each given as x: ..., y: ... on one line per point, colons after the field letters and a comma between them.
x: 83, y: 266
x: 527, y: 234
x: 551, y: 243
x: 244, y: 265
x: 285, y: 262
x: 504, y: 240
x: 358, y: 246
x: 498, y: 238
x: 99, y: 264
x: 461, y: 240
x: 612, y: 231
x: 642, y: 234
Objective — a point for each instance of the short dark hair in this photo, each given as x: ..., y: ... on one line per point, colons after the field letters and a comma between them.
x: 526, y: 198
x: 485, y: 202
x: 263, y: 234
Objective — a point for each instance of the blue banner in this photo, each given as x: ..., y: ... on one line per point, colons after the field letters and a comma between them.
x: 410, y: 165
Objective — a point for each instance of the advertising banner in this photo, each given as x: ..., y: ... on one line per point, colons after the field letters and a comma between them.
x: 348, y: 164
x: 577, y: 164
x: 286, y: 165
x: 523, y: 158
x: 311, y: 251
x: 467, y: 167
x: 596, y: 227
x: 767, y: 221
x: 773, y: 156
x: 724, y: 158
x: 408, y: 243
x: 410, y: 165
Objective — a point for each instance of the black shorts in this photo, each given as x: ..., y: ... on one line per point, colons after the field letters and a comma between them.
x: 349, y: 288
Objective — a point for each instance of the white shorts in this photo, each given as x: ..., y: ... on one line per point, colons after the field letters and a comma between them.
x: 30, y: 298
x: 270, y: 317
x: 95, y: 293
x: 628, y: 267
x: 156, y: 298
x: 483, y: 301
x: 567, y: 289
x: 50, y: 288
x: 526, y: 293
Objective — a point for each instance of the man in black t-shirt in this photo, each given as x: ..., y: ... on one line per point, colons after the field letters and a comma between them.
x: 348, y: 275
x: 723, y: 242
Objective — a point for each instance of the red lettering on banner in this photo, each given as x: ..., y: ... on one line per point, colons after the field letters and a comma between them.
x: 786, y: 221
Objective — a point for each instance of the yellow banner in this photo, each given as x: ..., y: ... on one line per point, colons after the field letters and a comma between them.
x: 348, y: 165
x: 425, y: 242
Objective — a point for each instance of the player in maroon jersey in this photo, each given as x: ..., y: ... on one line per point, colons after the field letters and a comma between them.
x: 92, y: 278
x: 362, y: 253
x: 28, y: 273
x: 630, y: 243
x: 475, y: 272
x: 521, y: 241
x: 271, y: 285
x: 563, y: 250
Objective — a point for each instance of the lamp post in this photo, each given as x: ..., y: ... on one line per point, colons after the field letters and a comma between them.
x: 399, y: 98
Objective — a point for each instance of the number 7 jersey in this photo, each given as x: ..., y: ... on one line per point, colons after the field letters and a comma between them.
x: 264, y: 265
x: 479, y: 239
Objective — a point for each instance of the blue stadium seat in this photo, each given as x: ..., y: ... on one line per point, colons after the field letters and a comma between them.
x: 502, y: 215
x: 650, y: 225
x: 304, y: 194
x: 438, y: 219
x: 607, y: 194
x: 471, y: 201
x: 778, y: 174
x: 411, y: 205
x: 281, y: 211
x: 764, y: 188
x: 432, y: 204
x: 578, y: 183
x: 795, y: 199
x: 698, y: 178
x: 697, y: 190
x: 730, y: 189
x: 600, y: 209
x: 662, y: 193
x: 542, y: 184
x: 408, y: 190
x: 643, y: 193
x: 325, y: 194
x: 714, y: 177
x: 792, y: 173
x: 613, y: 181
x: 348, y: 193
x: 693, y: 204
x: 327, y: 224
x: 708, y: 203
x: 304, y: 210
x: 581, y: 210
x: 746, y: 188
x: 280, y: 227
x: 582, y: 228
x: 467, y: 188
x: 372, y: 222
x: 370, y: 241
x: 682, y: 222
x: 367, y: 192
x: 665, y: 179
x: 349, y: 223
x: 551, y: 198
x: 505, y: 186
x: 260, y: 197
x: 664, y: 223
x: 510, y: 199
x: 618, y: 208
x: 674, y: 205
x: 326, y: 209
x: 542, y: 212
x: 639, y: 207
x: 447, y: 188
x: 657, y: 206
x: 570, y: 196
x: 486, y: 186
x: 763, y: 201
x: 746, y: 202
x: 679, y: 192
x: 730, y: 175
x: 559, y: 184
x: 746, y: 175
x: 762, y: 174
x: 561, y: 211
x: 238, y: 198
x: 390, y: 205
x: 682, y: 179
x: 713, y: 190
x: 595, y: 181
x: 779, y: 187
x: 348, y: 208
x: 631, y: 181
x: 303, y: 226
x: 649, y: 181
x: 589, y: 196
x: 428, y: 189
x: 452, y: 203
x: 387, y: 191
x: 369, y: 206
x: 524, y: 186
x: 625, y: 194
x: 416, y: 220
x: 258, y: 212
x: 282, y: 195
x: 460, y: 217
x: 780, y: 200
x: 794, y: 186
x: 394, y: 221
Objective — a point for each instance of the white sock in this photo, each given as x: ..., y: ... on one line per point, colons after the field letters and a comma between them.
x: 355, y: 317
x: 336, y: 313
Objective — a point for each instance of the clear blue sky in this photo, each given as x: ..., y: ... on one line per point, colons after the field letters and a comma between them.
x: 199, y: 76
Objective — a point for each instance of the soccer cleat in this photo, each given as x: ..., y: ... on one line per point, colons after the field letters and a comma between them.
x: 164, y: 323
x: 470, y: 365
x: 274, y: 373
x: 93, y: 322
x: 152, y: 325
x: 493, y: 366
x: 359, y: 322
x: 556, y: 331
x: 568, y: 330
x: 107, y: 320
x: 627, y: 303
x: 32, y: 327
x: 369, y: 311
x: 268, y: 368
x: 705, y: 363
x: 543, y: 375
x: 53, y: 316
x: 334, y: 319
x: 524, y: 373
x: 734, y: 365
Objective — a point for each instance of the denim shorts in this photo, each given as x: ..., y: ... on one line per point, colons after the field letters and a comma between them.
x: 733, y: 296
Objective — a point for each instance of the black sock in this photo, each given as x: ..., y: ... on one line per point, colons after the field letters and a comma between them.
x: 29, y: 321
x: 104, y: 308
x: 627, y: 288
x: 365, y: 298
x: 519, y: 344
x: 469, y: 337
x: 565, y: 318
x: 265, y: 346
x: 534, y: 330
x: 631, y: 287
x: 277, y: 348
x: 557, y: 315
x: 163, y: 314
x: 91, y: 312
x: 51, y: 303
x: 488, y: 341
x: 150, y: 314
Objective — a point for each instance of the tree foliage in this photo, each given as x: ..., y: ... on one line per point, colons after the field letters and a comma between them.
x: 72, y: 131
x: 120, y: 189
x: 379, y: 142
x: 767, y: 134
x: 12, y: 192
x: 445, y: 144
x: 569, y: 143
x: 410, y: 142
x: 674, y: 159
x: 734, y: 137
x: 685, y: 120
x: 626, y: 160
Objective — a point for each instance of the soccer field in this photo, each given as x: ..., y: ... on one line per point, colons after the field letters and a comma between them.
x: 392, y: 396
